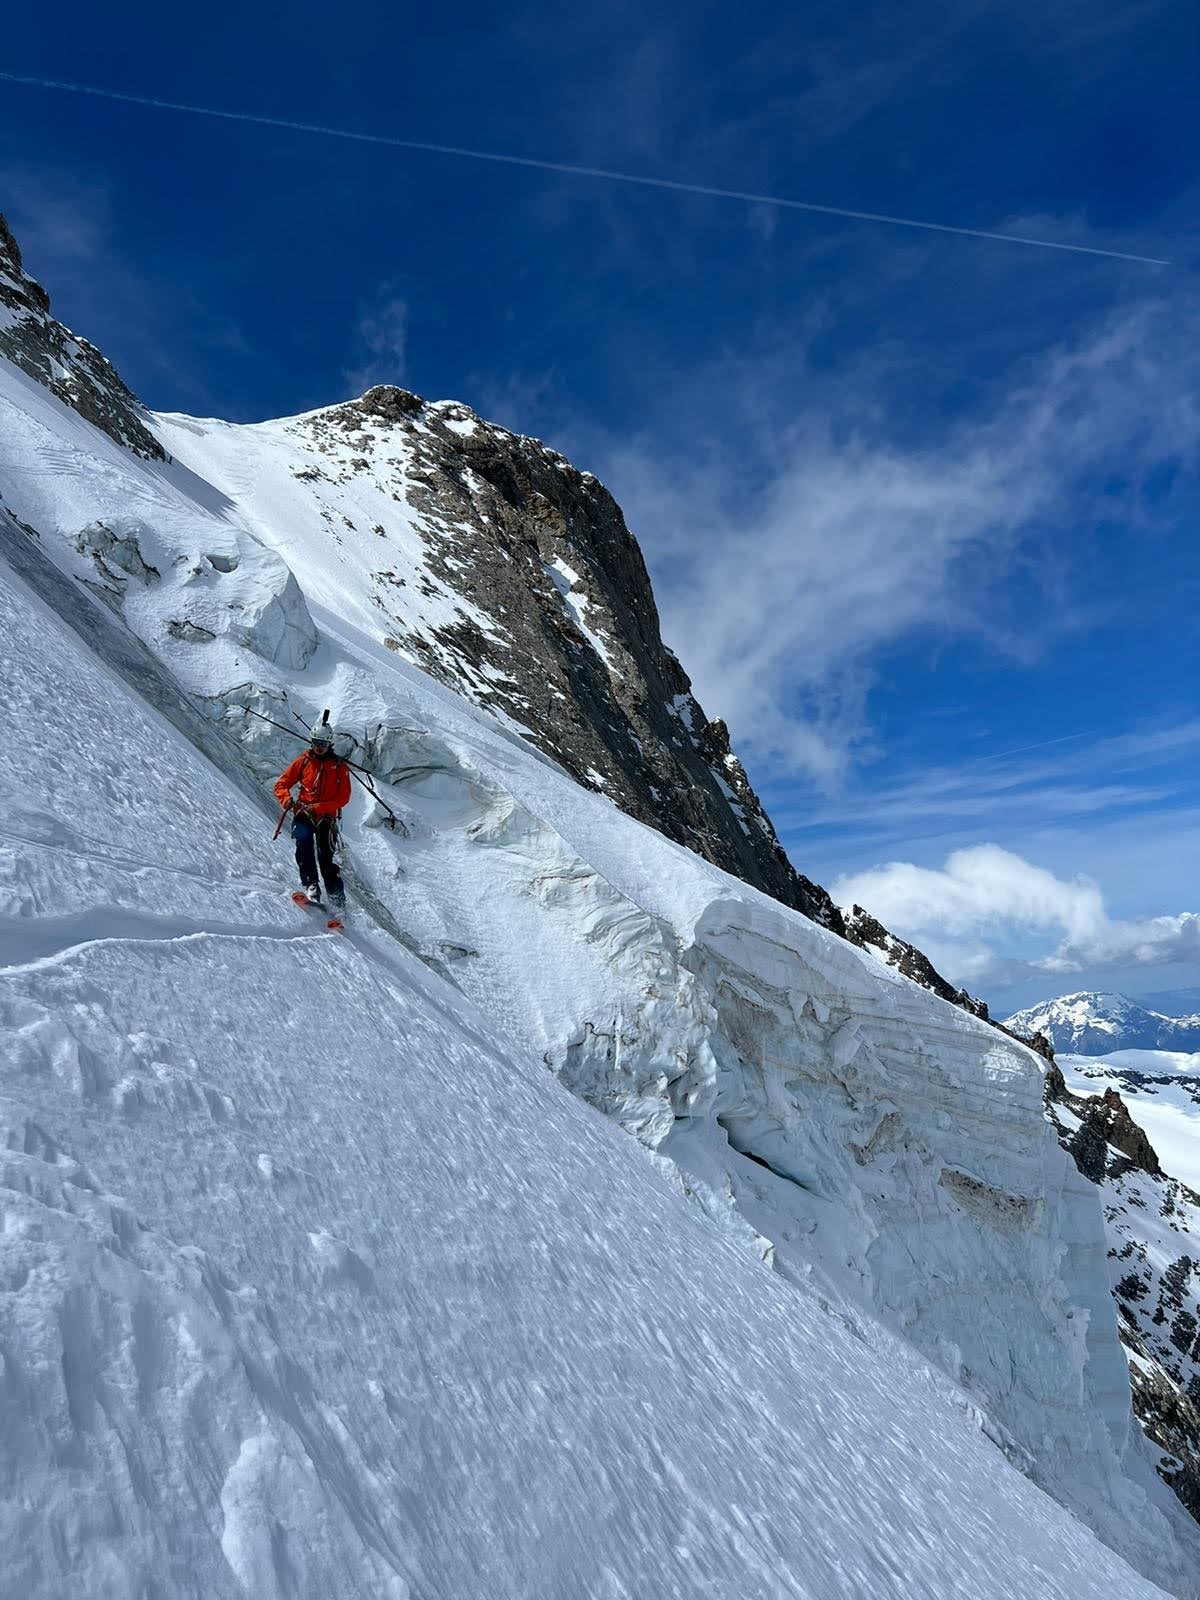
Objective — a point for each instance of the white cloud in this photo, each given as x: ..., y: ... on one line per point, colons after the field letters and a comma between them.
x: 975, y: 888
x: 985, y: 897
x: 1151, y: 942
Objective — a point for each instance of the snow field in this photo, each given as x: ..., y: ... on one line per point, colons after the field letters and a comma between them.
x: 399, y: 1315
x: 311, y: 1289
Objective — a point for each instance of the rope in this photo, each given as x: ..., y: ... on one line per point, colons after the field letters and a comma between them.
x: 390, y: 821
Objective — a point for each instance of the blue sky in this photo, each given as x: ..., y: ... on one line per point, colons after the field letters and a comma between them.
x: 921, y: 509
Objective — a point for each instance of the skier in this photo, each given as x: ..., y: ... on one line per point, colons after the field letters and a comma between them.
x: 324, y: 780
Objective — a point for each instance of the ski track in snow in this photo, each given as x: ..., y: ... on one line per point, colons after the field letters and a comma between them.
x: 55, y: 939
x: 314, y: 1281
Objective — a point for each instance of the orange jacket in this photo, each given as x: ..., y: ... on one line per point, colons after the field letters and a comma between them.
x: 324, y: 784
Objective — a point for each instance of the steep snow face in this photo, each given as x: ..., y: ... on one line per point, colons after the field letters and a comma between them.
x: 153, y: 542
x: 313, y: 1282
x: 884, y: 1153
x: 491, y: 562
x: 1090, y: 1024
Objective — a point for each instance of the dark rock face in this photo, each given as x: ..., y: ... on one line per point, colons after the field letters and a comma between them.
x: 1104, y: 1122
x: 1111, y: 1115
x: 870, y: 934
x: 1172, y: 1420
x: 68, y: 366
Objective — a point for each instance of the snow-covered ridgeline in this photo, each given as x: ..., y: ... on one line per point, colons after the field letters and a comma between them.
x: 882, y: 1148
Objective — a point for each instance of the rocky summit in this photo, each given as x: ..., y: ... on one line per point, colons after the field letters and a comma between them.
x: 562, y: 632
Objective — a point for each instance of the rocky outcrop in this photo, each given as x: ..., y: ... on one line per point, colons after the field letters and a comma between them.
x: 69, y: 366
x: 1158, y: 1304
x: 869, y: 933
x: 1104, y: 1121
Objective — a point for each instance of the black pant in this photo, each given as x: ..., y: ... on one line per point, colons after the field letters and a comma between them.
x: 314, y: 843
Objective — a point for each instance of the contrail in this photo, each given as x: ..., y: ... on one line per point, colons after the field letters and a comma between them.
x: 1042, y: 744
x: 571, y: 170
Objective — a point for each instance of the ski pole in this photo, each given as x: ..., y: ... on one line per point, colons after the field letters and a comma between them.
x: 280, y: 823
x: 367, y: 780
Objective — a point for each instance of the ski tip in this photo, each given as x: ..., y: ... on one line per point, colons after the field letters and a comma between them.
x: 334, y: 924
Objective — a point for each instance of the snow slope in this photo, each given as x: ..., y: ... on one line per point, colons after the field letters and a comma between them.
x: 311, y: 1287
x: 318, y: 1281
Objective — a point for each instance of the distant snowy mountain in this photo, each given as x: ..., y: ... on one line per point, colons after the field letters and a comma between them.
x: 1090, y: 1024
x: 320, y: 1274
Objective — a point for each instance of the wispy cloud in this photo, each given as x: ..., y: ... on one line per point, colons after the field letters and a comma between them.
x: 783, y: 573
x: 381, y: 345
x: 1070, y: 776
